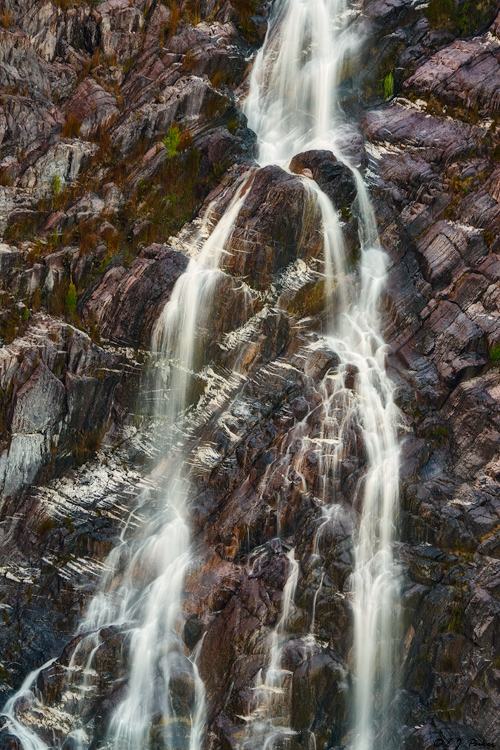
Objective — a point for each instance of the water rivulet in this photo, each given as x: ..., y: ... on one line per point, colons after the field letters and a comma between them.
x: 160, y: 699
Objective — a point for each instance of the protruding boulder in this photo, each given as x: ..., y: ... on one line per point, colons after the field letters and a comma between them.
x: 126, y: 303
x: 315, y: 688
x: 278, y: 223
x: 333, y: 177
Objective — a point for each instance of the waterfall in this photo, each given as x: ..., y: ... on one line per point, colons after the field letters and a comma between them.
x: 293, y: 106
x: 155, y: 646
x: 142, y: 589
x: 263, y: 723
x: 292, y: 102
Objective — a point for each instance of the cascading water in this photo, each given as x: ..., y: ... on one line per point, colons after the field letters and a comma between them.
x: 293, y: 107
x: 292, y: 103
x: 265, y: 723
x: 155, y: 648
x: 141, y: 591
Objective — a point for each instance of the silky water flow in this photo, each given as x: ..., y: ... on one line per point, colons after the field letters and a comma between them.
x: 141, y: 591
x: 292, y: 106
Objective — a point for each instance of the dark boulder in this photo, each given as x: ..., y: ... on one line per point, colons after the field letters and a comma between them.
x: 333, y: 177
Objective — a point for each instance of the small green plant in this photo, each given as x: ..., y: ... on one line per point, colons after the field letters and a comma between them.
x: 56, y: 184
x: 495, y: 354
x: 127, y: 65
x: 438, y: 432
x: 45, y: 526
x: 232, y: 124
x: 388, y: 86
x: 141, y: 187
x: 171, y: 141
x: 456, y: 623
x: 71, y: 299
x: 218, y: 169
x: 441, y: 12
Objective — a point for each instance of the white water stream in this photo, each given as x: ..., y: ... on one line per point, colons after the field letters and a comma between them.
x: 293, y: 107
x: 142, y: 589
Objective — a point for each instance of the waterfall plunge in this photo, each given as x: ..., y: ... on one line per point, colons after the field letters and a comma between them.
x: 142, y: 588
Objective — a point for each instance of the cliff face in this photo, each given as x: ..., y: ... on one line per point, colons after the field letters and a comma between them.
x: 120, y: 125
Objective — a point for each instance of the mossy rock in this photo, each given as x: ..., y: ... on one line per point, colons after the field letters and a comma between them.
x: 462, y: 17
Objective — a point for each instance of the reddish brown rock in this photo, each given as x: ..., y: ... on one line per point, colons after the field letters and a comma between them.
x: 463, y: 74
x: 91, y: 107
x: 277, y: 224
x: 127, y: 303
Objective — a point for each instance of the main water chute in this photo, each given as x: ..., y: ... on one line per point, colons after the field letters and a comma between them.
x: 294, y: 106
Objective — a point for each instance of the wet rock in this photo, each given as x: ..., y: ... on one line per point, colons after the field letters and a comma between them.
x: 333, y: 177
x: 231, y: 634
x: 276, y: 224
x: 316, y: 688
x: 192, y: 631
x: 181, y: 677
x: 220, y: 148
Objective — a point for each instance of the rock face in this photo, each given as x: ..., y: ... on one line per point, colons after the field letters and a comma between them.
x: 61, y: 394
x: 277, y: 224
x: 437, y: 205
x: 119, y: 124
x: 128, y: 301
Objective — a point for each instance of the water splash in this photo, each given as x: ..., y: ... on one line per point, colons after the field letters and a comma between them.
x: 269, y: 719
x: 25, y: 696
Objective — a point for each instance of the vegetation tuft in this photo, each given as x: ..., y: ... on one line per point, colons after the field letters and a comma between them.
x: 460, y: 17
x: 172, y: 140
x: 495, y: 354
x: 388, y: 86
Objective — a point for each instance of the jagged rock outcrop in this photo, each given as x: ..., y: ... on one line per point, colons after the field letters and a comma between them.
x: 276, y: 225
x: 127, y: 302
x: 335, y: 179
x: 60, y: 394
